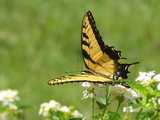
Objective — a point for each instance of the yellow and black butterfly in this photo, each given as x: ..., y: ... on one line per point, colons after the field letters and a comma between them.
x: 101, y: 61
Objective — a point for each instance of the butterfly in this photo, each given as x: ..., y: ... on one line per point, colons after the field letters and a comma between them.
x: 101, y: 61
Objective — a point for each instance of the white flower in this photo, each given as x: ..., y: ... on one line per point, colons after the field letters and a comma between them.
x: 158, y: 86
x: 87, y: 94
x: 146, y: 78
x: 128, y: 109
x: 64, y: 109
x: 89, y: 91
x: 120, y: 89
x: 145, y: 75
x: 131, y: 94
x: 158, y: 101
x: 8, y: 97
x: 118, y: 86
x: 54, y: 105
x: 86, y: 84
x: 77, y: 114
x: 157, y: 77
x: 45, y: 108
x: 151, y: 73
x: 13, y: 107
x: 48, y: 109
x: 128, y: 93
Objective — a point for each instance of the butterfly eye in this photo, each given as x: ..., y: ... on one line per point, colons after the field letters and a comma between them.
x: 118, y: 73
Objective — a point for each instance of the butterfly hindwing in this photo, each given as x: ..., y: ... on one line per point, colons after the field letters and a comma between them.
x: 84, y: 77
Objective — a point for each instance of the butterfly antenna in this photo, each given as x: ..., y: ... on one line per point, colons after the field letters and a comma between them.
x: 127, y: 66
x: 134, y: 63
x: 123, y: 58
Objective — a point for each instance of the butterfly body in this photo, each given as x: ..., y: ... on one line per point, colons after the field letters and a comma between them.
x: 101, y: 61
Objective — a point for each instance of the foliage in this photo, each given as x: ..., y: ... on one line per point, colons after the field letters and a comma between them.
x: 142, y: 104
x: 140, y: 100
x: 10, y: 107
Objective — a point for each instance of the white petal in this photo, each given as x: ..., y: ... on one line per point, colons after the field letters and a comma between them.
x: 46, y: 107
x: 64, y: 109
x: 13, y: 107
x: 158, y: 86
x: 128, y: 109
x: 9, y: 96
x: 159, y: 101
x: 142, y: 76
x: 145, y: 78
x: 131, y: 94
x: 86, y: 84
x: 157, y: 77
x: 151, y: 73
x: 54, y: 104
x: 87, y: 94
x: 77, y: 114
x: 119, y: 89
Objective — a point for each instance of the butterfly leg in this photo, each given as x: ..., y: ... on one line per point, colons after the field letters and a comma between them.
x: 115, y: 77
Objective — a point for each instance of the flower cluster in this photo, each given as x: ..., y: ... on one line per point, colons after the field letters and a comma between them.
x: 147, y: 78
x: 128, y: 93
x: 53, y: 109
x: 10, y: 105
x: 8, y: 99
x: 148, y: 84
x: 88, y: 90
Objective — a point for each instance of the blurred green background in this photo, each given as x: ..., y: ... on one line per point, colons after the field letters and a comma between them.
x: 40, y: 39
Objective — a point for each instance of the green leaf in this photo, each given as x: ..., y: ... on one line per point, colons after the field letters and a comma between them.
x: 75, y: 118
x: 139, y: 88
x: 145, y: 115
x: 101, y: 102
x: 114, y: 116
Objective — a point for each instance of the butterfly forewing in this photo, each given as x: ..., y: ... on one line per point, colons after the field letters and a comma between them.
x: 93, y: 48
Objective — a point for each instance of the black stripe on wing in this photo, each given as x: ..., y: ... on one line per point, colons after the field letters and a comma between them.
x: 87, y: 56
x: 85, y: 35
x: 110, y: 51
x: 85, y: 43
x: 95, y: 31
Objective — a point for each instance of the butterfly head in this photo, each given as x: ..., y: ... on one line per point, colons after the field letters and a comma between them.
x: 123, y: 70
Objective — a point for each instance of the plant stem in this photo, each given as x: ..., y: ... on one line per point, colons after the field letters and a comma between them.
x: 93, y: 101
x: 107, y: 95
x: 119, y: 104
x: 140, y: 111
